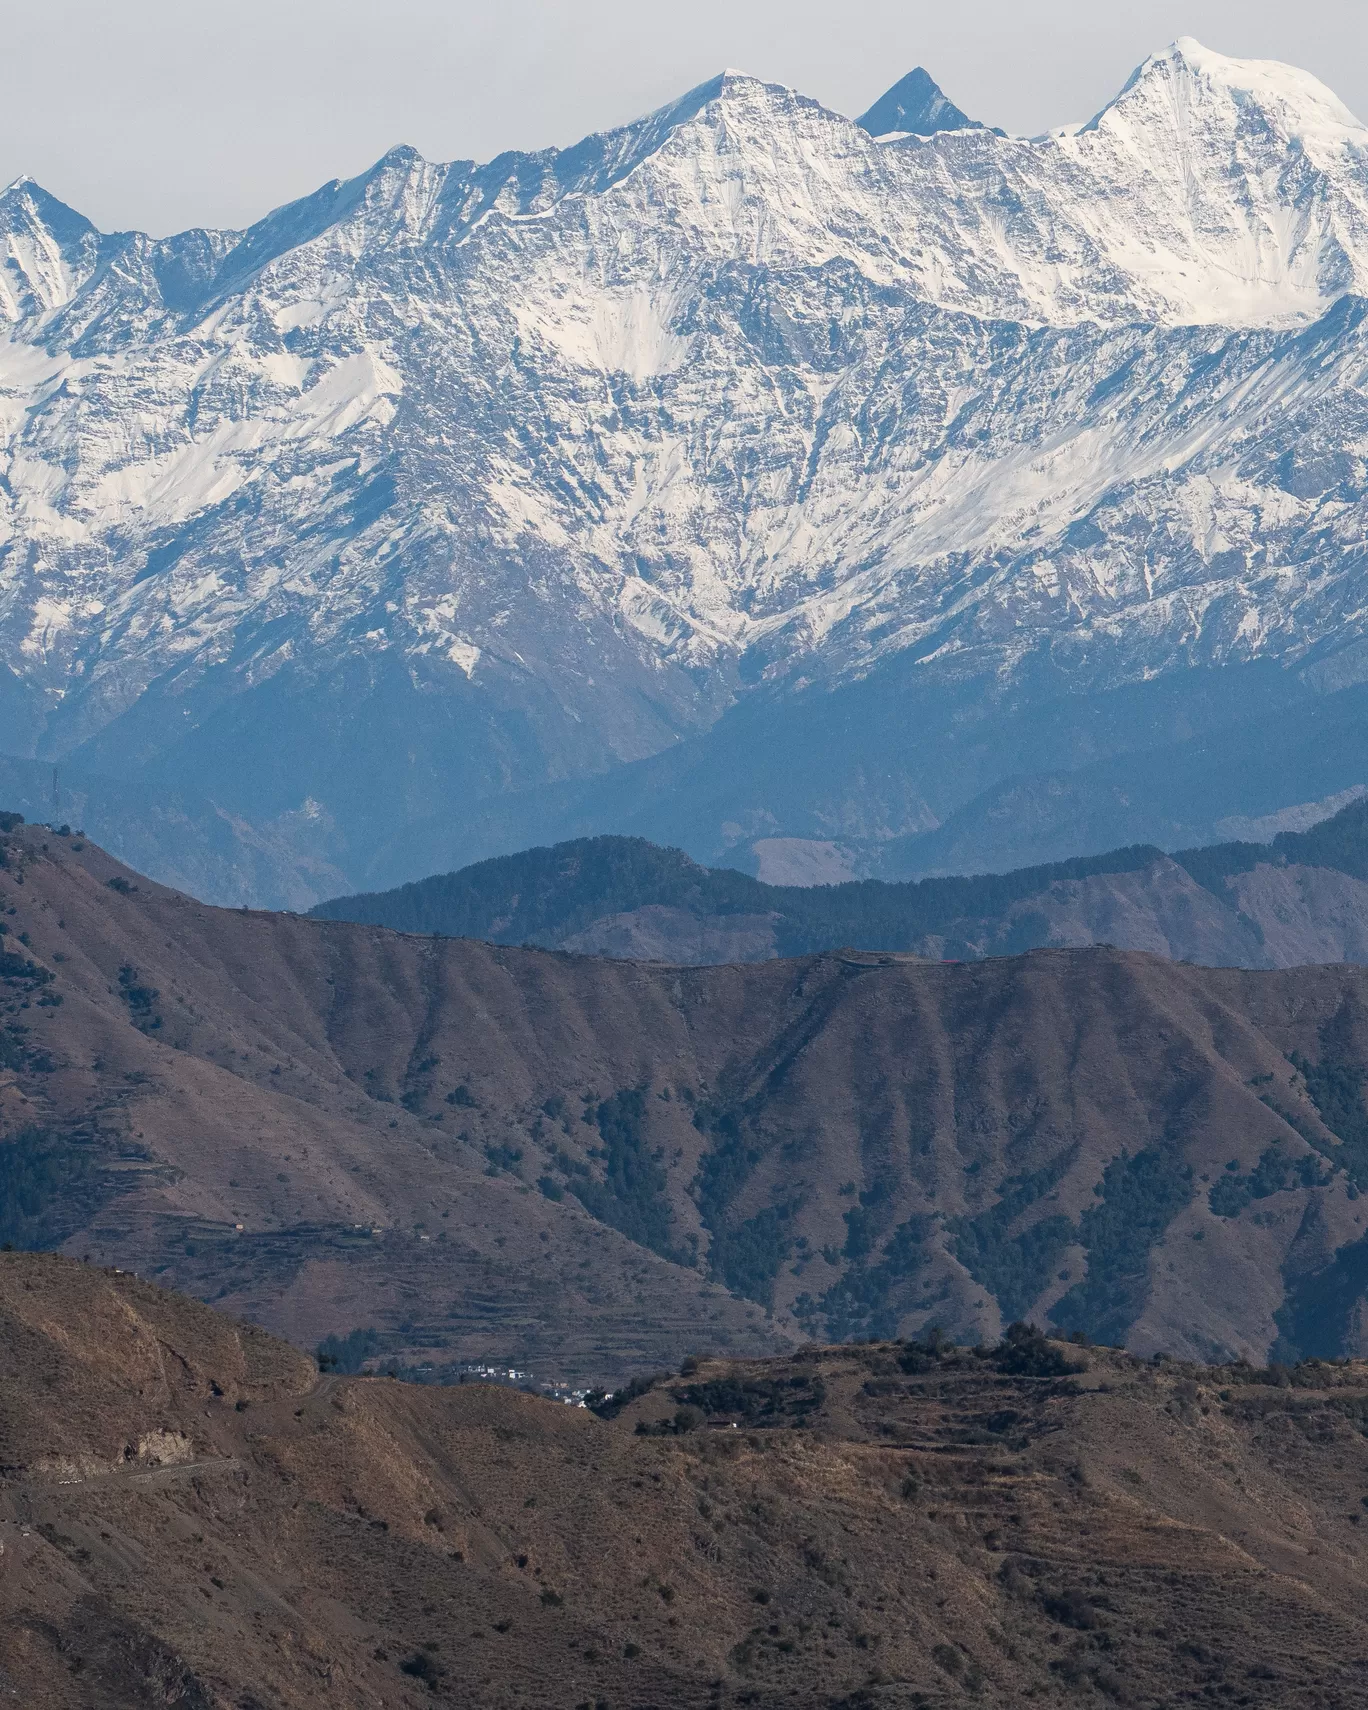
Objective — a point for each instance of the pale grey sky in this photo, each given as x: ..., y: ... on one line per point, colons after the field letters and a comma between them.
x: 168, y: 113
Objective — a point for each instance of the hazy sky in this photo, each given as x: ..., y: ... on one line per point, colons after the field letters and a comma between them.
x: 169, y: 113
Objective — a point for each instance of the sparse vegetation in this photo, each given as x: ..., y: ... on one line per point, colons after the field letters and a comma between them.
x: 49, y: 1183
x: 608, y: 1404
x: 21, y: 972
x: 679, y: 1424
x: 1015, y: 1267
x: 869, y: 1298
x: 631, y: 1196
x: 884, y: 1080
x: 1025, y: 1352
x: 1275, y: 1172
x: 744, y: 1255
x: 1336, y: 1088
x: 141, y: 1000
x: 349, y: 1353
x: 425, y: 1667
x: 761, y: 1401
x: 1139, y: 1197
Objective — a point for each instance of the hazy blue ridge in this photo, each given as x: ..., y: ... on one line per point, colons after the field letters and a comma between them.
x: 546, y: 895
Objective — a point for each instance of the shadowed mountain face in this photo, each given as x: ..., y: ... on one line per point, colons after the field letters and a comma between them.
x: 735, y: 476
x: 191, y: 1516
x: 1302, y: 897
x: 917, y: 106
x: 590, y: 1165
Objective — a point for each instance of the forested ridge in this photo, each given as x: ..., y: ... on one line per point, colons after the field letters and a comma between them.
x: 545, y: 896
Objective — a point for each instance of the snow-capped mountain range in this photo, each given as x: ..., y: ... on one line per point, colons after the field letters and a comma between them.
x: 407, y: 520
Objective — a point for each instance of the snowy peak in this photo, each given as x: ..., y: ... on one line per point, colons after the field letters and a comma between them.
x: 604, y: 160
x: 47, y: 251
x: 1210, y: 190
x: 25, y: 202
x: 1230, y: 190
x: 1188, y: 82
x: 917, y: 106
x: 740, y: 384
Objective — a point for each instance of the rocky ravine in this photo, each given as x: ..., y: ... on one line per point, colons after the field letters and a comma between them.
x: 881, y: 467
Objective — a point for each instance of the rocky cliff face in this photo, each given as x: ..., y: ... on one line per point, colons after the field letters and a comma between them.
x: 453, y: 481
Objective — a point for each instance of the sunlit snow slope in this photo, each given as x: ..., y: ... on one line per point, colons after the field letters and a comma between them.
x: 455, y: 481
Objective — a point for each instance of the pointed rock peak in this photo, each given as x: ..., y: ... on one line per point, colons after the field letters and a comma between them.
x: 1302, y: 102
x: 917, y: 105
x: 401, y: 157
x: 730, y: 82
x: 605, y: 158
x: 26, y: 199
x: 394, y: 174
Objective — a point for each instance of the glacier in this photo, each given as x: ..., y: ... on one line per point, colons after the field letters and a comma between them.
x: 737, y: 475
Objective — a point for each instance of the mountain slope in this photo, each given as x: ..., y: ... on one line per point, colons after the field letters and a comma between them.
x: 453, y: 485
x: 190, y: 1515
x: 1302, y: 897
x: 261, y: 1116
x: 587, y: 1166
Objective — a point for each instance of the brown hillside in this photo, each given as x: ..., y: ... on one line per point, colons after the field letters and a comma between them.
x: 592, y: 1166
x: 190, y: 1516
